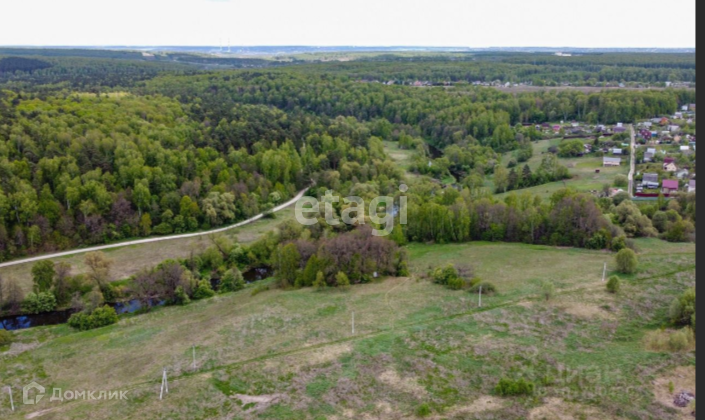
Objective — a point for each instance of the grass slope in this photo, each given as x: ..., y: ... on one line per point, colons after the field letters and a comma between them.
x: 291, y: 354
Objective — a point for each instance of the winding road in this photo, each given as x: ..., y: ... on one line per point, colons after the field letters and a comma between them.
x: 157, y: 239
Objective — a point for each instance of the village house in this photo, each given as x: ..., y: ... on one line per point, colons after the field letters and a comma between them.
x: 648, y: 157
x: 669, y: 186
x: 682, y: 173
x: 616, y: 151
x: 650, y: 180
x: 610, y: 161
x: 670, y: 167
x: 691, y: 186
x: 645, y: 134
x: 674, y: 128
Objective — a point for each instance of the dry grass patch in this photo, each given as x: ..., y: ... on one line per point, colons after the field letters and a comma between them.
x: 669, y: 340
x: 319, y: 356
x: 587, y: 310
x: 480, y: 405
x: 408, y: 385
x: 558, y: 409
x: 257, y: 402
x: 683, y: 379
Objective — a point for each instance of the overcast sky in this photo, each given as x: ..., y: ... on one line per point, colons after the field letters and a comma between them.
x: 468, y: 23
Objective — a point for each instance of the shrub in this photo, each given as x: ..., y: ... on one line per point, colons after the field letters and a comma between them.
x: 181, y: 297
x: 43, y: 275
x: 259, y: 289
x: 682, y: 311
x: 203, y: 290
x: 36, y: 303
x: 548, y: 289
x: 320, y: 282
x: 626, y: 261
x: 342, y: 280
x: 424, y: 410
x: 509, y: 387
x: 451, y: 277
x: 487, y: 288
x: 613, y: 284
x: 232, y: 281
x: 621, y: 181
x: 110, y: 294
x: 5, y: 337
x: 680, y: 340
x: 444, y: 275
x: 670, y: 341
x: 403, y: 269
x: 100, y: 317
x: 455, y: 283
x: 619, y: 243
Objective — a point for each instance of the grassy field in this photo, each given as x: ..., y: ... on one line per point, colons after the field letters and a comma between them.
x: 129, y: 260
x: 402, y: 157
x: 584, y: 179
x: 417, y: 347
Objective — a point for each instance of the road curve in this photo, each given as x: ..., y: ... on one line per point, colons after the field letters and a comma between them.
x: 157, y: 239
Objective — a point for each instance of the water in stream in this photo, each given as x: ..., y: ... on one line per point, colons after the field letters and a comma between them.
x: 20, y: 322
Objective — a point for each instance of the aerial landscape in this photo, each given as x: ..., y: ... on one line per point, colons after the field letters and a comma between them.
x: 419, y: 220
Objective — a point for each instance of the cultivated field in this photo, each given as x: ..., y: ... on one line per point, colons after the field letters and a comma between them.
x: 417, y: 347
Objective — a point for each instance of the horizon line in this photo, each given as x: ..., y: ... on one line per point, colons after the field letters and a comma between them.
x: 335, y: 46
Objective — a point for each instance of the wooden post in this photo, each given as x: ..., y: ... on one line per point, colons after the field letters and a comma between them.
x: 12, y: 403
x: 480, y: 298
x: 165, y: 385
x: 604, y: 272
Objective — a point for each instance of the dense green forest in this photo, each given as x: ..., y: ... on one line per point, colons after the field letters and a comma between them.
x: 86, y: 169
x: 99, y: 148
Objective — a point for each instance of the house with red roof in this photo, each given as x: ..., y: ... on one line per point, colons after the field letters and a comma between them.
x: 669, y: 186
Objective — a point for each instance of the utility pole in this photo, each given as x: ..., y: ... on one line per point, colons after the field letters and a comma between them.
x: 604, y: 272
x: 480, y: 298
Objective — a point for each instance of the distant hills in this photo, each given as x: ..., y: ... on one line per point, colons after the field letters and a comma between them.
x: 301, y: 49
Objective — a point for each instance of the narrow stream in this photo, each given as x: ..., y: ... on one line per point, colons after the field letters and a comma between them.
x: 20, y: 322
